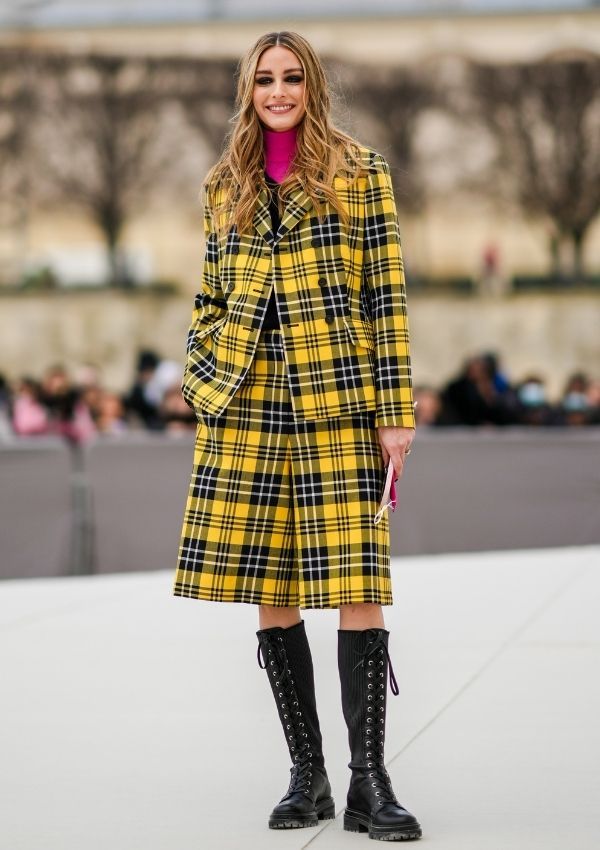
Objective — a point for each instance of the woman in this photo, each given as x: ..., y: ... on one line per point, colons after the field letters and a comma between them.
x: 298, y: 369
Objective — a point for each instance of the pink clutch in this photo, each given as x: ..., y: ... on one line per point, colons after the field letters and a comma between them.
x: 388, y: 497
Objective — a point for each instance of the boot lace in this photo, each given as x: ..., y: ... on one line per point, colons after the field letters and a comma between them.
x: 374, y: 658
x: 274, y: 655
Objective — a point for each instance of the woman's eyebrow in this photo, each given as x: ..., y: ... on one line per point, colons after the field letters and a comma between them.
x: 287, y: 70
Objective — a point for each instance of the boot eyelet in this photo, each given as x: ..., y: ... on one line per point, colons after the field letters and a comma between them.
x: 374, y: 785
x: 288, y: 726
x: 381, y: 663
x: 290, y: 737
x: 285, y: 717
x: 370, y: 697
x: 370, y: 709
x: 370, y: 675
x: 370, y: 663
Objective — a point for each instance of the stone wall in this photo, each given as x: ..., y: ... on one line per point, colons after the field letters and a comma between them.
x: 550, y: 334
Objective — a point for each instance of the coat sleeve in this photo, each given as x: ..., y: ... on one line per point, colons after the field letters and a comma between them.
x: 210, y: 304
x: 383, y: 274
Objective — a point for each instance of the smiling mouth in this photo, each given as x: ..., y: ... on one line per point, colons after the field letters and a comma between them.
x: 280, y: 108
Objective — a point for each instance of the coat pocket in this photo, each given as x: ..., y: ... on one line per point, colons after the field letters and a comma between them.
x: 361, y: 333
x: 207, y: 329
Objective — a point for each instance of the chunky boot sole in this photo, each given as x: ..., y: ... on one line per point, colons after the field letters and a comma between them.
x: 324, y: 810
x: 359, y: 822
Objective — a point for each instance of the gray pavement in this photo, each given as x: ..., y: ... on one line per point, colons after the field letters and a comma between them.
x: 134, y: 720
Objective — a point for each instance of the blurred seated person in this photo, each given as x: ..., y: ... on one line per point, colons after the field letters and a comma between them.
x: 68, y: 414
x: 110, y: 414
x: 135, y: 401
x: 593, y: 397
x: 154, y: 376
x: 29, y: 415
x: 6, y: 428
x: 575, y: 404
x: 499, y: 379
x: 472, y: 398
x: 428, y: 405
x: 176, y: 415
x: 533, y: 405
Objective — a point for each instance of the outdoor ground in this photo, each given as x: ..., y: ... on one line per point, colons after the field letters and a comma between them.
x: 135, y: 720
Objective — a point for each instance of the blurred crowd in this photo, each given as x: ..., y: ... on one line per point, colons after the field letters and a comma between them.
x: 79, y: 408
x: 482, y: 395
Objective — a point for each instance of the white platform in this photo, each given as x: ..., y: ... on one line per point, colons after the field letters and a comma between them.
x: 134, y: 720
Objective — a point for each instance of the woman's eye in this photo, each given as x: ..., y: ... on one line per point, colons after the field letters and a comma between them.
x: 265, y: 81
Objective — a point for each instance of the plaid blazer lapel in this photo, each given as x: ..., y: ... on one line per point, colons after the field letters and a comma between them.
x: 298, y: 203
x: 262, y: 215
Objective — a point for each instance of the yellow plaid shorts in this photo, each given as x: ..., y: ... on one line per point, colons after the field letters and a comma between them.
x: 281, y: 512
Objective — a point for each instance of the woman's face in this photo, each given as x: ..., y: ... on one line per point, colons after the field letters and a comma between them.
x: 278, y: 94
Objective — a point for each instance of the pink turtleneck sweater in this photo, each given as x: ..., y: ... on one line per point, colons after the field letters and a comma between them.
x: 279, y: 151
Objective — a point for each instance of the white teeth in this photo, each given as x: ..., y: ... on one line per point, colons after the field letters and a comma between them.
x: 279, y: 108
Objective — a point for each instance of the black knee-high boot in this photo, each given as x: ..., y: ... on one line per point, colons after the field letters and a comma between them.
x: 288, y: 662
x: 372, y: 806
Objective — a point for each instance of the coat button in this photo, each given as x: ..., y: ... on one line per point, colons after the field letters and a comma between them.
x: 329, y: 317
x: 322, y: 281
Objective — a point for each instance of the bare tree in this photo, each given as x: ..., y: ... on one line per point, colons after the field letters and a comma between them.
x: 205, y: 89
x: 17, y: 109
x: 545, y: 120
x: 103, y: 116
x: 392, y: 101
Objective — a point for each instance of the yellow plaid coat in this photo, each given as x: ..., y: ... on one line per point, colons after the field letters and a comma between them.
x: 341, y: 301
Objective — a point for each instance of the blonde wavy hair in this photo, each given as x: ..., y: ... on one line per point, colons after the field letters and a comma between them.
x: 323, y: 151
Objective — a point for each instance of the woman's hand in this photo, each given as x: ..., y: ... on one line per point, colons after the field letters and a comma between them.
x: 395, y: 443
